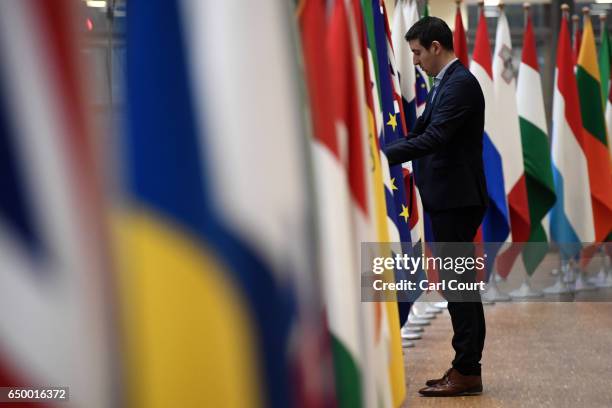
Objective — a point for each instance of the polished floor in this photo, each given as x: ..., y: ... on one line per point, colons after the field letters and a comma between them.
x: 536, y: 355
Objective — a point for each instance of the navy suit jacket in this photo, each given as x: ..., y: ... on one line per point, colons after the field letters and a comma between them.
x: 447, y: 141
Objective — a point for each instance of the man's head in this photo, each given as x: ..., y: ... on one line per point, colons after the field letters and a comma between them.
x: 431, y: 42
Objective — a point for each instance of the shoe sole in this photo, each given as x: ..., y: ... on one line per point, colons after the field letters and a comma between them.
x: 466, y: 393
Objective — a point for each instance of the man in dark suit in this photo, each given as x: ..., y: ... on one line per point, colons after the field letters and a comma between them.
x: 446, y: 149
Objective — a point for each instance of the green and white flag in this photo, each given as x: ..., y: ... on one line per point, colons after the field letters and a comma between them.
x: 536, y: 150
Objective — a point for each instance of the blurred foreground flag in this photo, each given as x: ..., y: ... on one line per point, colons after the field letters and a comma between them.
x: 215, y: 224
x: 571, y: 219
x: 595, y: 141
x: 54, y: 328
x: 338, y: 257
x: 536, y: 149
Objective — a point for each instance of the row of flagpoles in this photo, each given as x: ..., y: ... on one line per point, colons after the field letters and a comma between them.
x: 539, y: 191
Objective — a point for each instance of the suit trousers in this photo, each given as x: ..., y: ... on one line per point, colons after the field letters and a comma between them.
x: 455, y: 226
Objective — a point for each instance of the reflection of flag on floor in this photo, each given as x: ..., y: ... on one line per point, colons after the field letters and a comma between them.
x: 54, y: 273
x: 507, y: 140
x: 495, y: 226
x: 594, y: 143
x: 571, y: 219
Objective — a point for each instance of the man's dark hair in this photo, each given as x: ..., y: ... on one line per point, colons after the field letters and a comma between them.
x: 430, y: 29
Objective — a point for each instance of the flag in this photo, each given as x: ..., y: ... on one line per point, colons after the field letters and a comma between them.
x: 507, y: 140
x: 404, y: 59
x: 408, y: 111
x: 459, y: 41
x: 403, y: 19
x: 210, y: 278
x: 609, y: 118
x: 571, y: 218
x: 382, y: 352
x: 56, y: 326
x: 380, y: 319
x: 393, y: 117
x: 594, y: 142
x: 337, y: 250
x: 392, y: 127
x: 426, y: 14
x: 496, y: 225
x: 536, y: 149
x: 422, y: 84
x: 605, y: 79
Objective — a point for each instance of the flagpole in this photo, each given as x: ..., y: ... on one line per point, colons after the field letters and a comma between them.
x: 561, y: 286
x: 604, y: 277
x: 575, y: 26
x: 525, y: 291
x: 484, y: 298
x: 606, y: 271
x: 579, y: 277
x: 492, y: 293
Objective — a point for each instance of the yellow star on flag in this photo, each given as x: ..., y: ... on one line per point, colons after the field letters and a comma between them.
x: 404, y: 213
x: 392, y: 121
x: 393, y: 187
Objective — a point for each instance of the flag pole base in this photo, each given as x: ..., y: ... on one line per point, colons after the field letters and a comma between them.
x: 605, y: 272
x: 414, y: 321
x: 525, y: 291
x: 441, y: 305
x: 600, y: 278
x: 569, y: 276
x: 607, y: 282
x: 429, y: 308
x: 412, y: 329
x: 407, y: 344
x: 581, y: 284
x: 560, y: 287
x: 419, y: 312
x: 492, y: 293
x: 406, y: 335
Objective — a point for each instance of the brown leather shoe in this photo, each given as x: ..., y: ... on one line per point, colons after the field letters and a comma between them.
x: 455, y: 384
x: 431, y: 383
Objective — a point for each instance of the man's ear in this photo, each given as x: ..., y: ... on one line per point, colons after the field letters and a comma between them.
x: 436, y: 47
